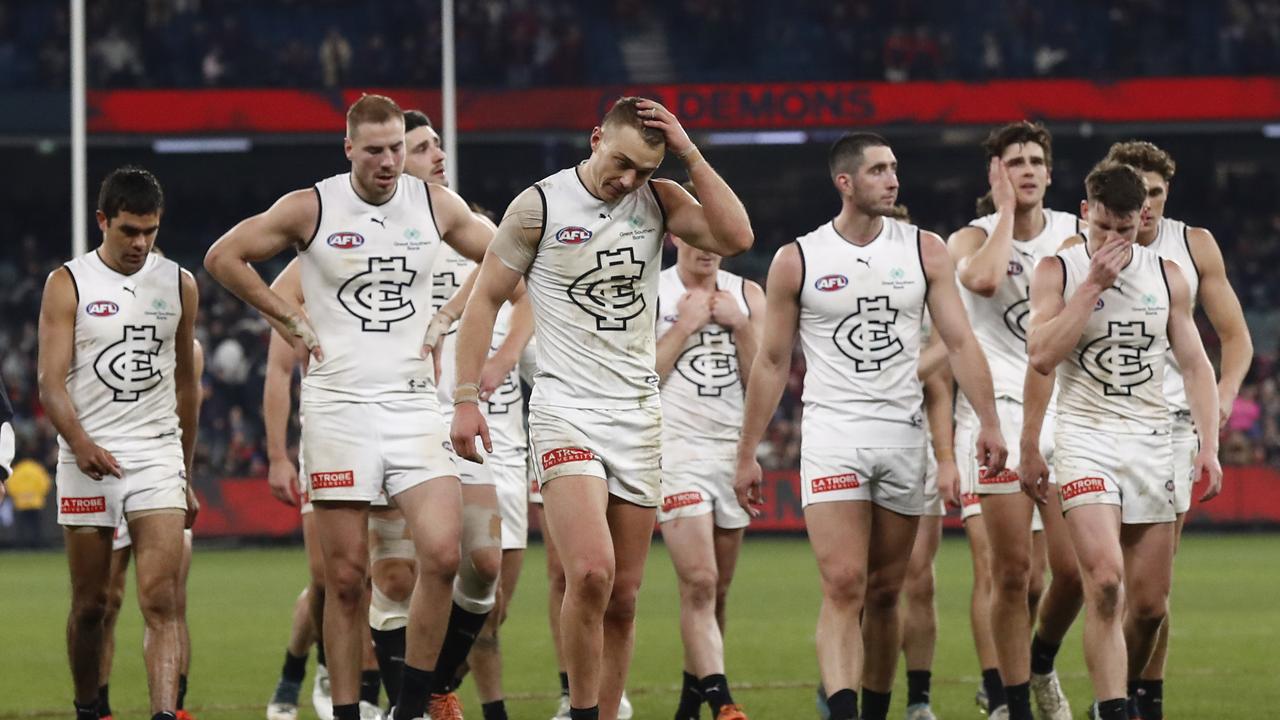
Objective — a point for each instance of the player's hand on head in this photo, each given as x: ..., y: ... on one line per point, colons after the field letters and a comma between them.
x: 1002, y: 193
x: 694, y: 309
x: 300, y: 325
x: 1208, y: 468
x: 725, y: 310
x: 193, y: 506
x: 949, y: 483
x: 282, y: 478
x: 655, y: 115
x: 468, y: 424
x: 748, y: 486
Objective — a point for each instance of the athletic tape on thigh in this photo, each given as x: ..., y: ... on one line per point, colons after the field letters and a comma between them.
x: 481, y: 530
x: 390, y: 541
x: 385, y: 613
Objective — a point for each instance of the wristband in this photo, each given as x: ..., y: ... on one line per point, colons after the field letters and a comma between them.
x: 466, y: 393
x: 691, y: 157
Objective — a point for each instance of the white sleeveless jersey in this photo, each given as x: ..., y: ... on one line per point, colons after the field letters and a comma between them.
x: 121, y: 376
x: 594, y: 286
x: 861, y: 310
x: 702, y: 397
x: 1171, y: 243
x: 1112, y: 381
x: 366, y: 276
x: 504, y: 411
x: 1000, y: 321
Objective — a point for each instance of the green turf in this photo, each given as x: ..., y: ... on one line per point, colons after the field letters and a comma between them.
x: 1226, y: 600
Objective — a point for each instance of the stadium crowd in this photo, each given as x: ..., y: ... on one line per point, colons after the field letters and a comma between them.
x: 521, y: 43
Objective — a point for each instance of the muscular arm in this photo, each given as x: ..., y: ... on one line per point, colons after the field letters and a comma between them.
x: 717, y: 224
x: 747, y: 338
x: 670, y: 344
x: 56, y: 347
x: 1184, y: 339
x: 933, y: 359
x: 186, y: 372
x: 1055, y: 325
x: 1037, y: 390
x: 1223, y: 308
x: 773, y: 361
x: 939, y: 408
x: 982, y: 261
x: 464, y: 230
x: 290, y: 222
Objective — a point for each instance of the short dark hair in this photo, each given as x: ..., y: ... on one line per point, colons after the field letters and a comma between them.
x: 130, y: 189
x: 846, y: 153
x: 625, y: 112
x: 1145, y: 157
x: 1019, y: 133
x: 414, y: 119
x: 1116, y: 186
x: 371, y: 109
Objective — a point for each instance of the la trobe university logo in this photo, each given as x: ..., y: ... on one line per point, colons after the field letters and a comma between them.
x: 608, y: 291
x: 126, y: 366
x: 867, y: 336
x: 376, y: 296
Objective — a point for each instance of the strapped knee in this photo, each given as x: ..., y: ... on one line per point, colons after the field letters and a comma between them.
x: 473, y: 590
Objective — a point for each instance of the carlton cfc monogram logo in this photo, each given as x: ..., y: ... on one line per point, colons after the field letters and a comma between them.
x: 376, y: 296
x: 126, y: 367
x: 1115, y: 359
x: 868, y: 337
x: 1015, y: 318
x: 712, y: 364
x: 607, y: 292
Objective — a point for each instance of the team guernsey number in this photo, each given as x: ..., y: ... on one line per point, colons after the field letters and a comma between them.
x: 1115, y: 359
x: 868, y: 336
x: 376, y: 296
x: 126, y: 366
x: 608, y: 291
x: 712, y: 364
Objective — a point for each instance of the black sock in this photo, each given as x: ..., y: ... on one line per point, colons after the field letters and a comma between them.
x: 182, y: 691
x: 564, y: 683
x: 104, y: 701
x: 164, y: 715
x: 995, y: 689
x: 346, y: 712
x: 1112, y: 709
x: 875, y: 705
x: 918, y: 687
x: 1042, y: 655
x: 370, y: 686
x: 690, y: 706
x: 591, y: 713
x: 86, y: 712
x: 843, y: 705
x: 458, y: 638
x: 295, y: 668
x: 496, y: 710
x: 388, y: 646
x: 715, y: 688
x: 411, y: 703
x: 1151, y: 699
x: 1131, y: 698
x: 320, y: 652
x: 1019, y: 698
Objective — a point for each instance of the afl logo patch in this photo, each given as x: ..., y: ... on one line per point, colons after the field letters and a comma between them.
x: 1015, y: 267
x: 828, y: 283
x: 573, y: 235
x: 345, y: 240
x: 1098, y: 305
x: 102, y: 308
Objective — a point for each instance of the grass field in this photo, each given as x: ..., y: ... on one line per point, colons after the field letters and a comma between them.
x: 1224, y: 659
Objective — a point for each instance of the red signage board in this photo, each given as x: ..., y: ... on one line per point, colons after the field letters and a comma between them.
x: 740, y: 106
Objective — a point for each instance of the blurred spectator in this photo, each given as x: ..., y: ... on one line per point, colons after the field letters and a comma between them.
x: 29, y: 487
x: 335, y: 59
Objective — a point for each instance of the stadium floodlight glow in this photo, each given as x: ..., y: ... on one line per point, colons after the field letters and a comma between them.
x: 1271, y: 130
x: 762, y: 137
x: 189, y: 146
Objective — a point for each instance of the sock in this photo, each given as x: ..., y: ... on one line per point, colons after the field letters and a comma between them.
x: 715, y: 688
x: 104, y: 701
x: 918, y: 687
x: 320, y: 652
x: 1150, y: 699
x: 182, y: 690
x: 165, y: 715
x: 346, y: 712
x: 370, y: 685
x: 1131, y: 698
x: 875, y: 705
x: 591, y: 713
x: 496, y: 710
x: 458, y: 639
x: 995, y: 689
x: 1019, y: 698
x: 86, y: 712
x: 388, y: 646
x: 295, y: 668
x: 564, y: 683
x: 411, y: 703
x: 1112, y: 709
x: 843, y: 705
x: 690, y: 706
x: 1042, y: 655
